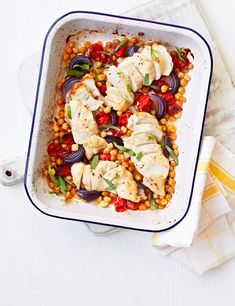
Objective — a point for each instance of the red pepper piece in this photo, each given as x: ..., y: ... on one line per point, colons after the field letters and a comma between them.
x: 170, y: 99
x: 120, y: 204
x: 64, y: 170
x: 53, y: 149
x: 68, y: 139
x: 132, y: 205
x: 103, y: 89
x: 121, y: 52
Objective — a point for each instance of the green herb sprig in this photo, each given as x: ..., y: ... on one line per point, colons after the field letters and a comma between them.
x: 170, y: 151
x: 180, y: 54
x: 123, y: 42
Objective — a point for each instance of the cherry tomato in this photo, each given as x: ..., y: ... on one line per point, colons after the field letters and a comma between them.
x: 56, y: 150
x: 177, y: 62
x: 144, y: 103
x: 102, y: 118
x: 120, y: 204
x: 170, y: 99
x: 64, y: 170
x: 103, y: 156
x: 68, y: 139
x: 121, y: 52
x: 123, y: 119
x: 103, y: 89
x: 174, y: 109
x: 53, y: 149
x: 117, y: 133
x: 95, y: 52
x: 132, y: 205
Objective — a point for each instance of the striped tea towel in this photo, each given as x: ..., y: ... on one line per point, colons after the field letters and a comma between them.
x: 206, y: 237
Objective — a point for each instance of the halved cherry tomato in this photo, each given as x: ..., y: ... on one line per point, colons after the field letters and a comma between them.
x: 117, y: 133
x: 64, y: 170
x: 123, y: 119
x: 144, y: 103
x: 132, y: 205
x: 177, y: 62
x: 56, y: 150
x: 95, y: 51
x: 68, y: 139
x: 102, y: 118
x: 120, y: 204
x: 103, y: 89
x: 104, y: 156
x: 174, y: 109
x: 121, y: 52
x: 170, y: 99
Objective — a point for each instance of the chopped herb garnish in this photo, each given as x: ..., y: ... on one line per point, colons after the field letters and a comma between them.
x: 146, y: 79
x: 82, y: 66
x: 119, y: 73
x: 94, y: 162
x: 60, y: 140
x: 69, y: 112
x: 153, y: 55
x: 123, y: 42
x: 62, y: 184
x: 155, y: 87
x: 128, y: 88
x: 51, y: 175
x: 111, y: 186
x: 124, y: 149
x: 75, y: 73
x: 69, y: 182
x: 180, y: 54
x: 139, y: 156
x: 152, y: 202
x: 152, y: 137
x: 109, y: 126
x: 170, y: 151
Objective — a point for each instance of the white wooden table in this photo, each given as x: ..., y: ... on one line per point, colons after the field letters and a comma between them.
x: 45, y: 261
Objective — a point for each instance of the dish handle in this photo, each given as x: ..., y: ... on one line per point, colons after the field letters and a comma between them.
x: 12, y: 170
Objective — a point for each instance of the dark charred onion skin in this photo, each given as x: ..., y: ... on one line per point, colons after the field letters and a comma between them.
x: 88, y: 195
x: 172, y: 81
x: 79, y: 60
x: 131, y: 50
x: 111, y: 139
x: 113, y: 118
x: 168, y: 143
x: 159, y: 103
x: 68, y: 83
x: 75, y: 157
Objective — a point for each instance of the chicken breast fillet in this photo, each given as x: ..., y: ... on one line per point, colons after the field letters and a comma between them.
x: 151, y: 54
x: 145, y: 66
x: 115, y: 100
x: 93, y: 145
x: 166, y: 58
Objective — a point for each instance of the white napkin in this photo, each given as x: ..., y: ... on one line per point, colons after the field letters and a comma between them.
x: 206, y: 237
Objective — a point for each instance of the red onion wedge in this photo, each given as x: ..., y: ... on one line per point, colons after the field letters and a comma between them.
x: 88, y: 195
x: 75, y: 156
x: 172, y: 81
x: 131, y: 50
x: 80, y: 62
x: 168, y: 143
x: 68, y: 83
x: 113, y: 117
x: 159, y: 103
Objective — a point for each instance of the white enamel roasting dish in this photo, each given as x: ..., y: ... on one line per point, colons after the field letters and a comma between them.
x: 189, y: 126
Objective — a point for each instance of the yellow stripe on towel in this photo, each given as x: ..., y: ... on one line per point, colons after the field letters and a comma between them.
x: 203, y: 166
x: 223, y: 176
x: 210, y: 192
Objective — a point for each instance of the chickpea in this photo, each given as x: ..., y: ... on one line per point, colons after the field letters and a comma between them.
x: 51, y: 185
x: 113, y: 152
x: 59, y: 84
x: 190, y: 66
x: 178, y: 96
x: 164, y: 88
x: 187, y: 77
x: 60, y: 121
x: 108, y: 44
x: 124, y: 129
x: 172, y: 174
x: 69, y: 187
x: 181, y: 75
x: 59, y: 162
x: 65, y: 56
x: 171, y: 128
x: 56, y: 135
x: 68, y: 195
x: 129, y: 132
x: 134, y: 40
x: 164, y: 128
x: 168, y: 196
x: 160, y: 206
x: 153, y: 112
x: 164, y: 201
x: 62, y: 134
x: 116, y: 41
x: 103, y: 134
x: 119, y: 113
x: 107, y: 110
x: 183, y: 82
x: 55, y: 128
x: 174, y: 146
x: 69, y: 50
x: 71, y: 44
x: 98, y: 64
x: 171, y: 118
x: 142, y: 207
x: 45, y: 172
x: 59, y: 102
x: 171, y: 189
x: 101, y: 77
x: 61, y: 114
x: 65, y: 126
x: 72, y: 56
x: 171, y: 182
x: 178, y: 102
x: 87, y: 44
x: 82, y: 50
x: 163, y: 121
x: 75, y: 50
x: 107, y: 199
x: 181, y: 90
x: 173, y: 163
x: 138, y: 177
